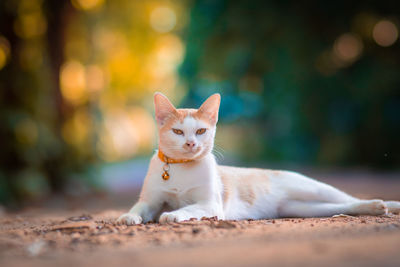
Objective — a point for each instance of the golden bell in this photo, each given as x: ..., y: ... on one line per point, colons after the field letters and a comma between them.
x: 165, y: 175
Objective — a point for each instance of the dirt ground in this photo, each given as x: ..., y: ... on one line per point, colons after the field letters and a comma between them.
x: 87, y: 236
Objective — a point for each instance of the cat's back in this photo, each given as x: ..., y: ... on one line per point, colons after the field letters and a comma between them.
x: 251, y: 175
x: 239, y: 173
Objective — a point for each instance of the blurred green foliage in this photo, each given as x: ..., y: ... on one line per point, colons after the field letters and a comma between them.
x: 313, y: 82
x: 305, y: 82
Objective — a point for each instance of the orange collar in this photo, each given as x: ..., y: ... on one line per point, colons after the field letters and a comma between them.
x: 168, y: 160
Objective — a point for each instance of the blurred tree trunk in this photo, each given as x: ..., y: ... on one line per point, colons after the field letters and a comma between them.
x: 57, y: 13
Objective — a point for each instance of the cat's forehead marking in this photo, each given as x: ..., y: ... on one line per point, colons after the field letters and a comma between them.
x: 184, y: 113
x: 179, y: 117
x: 190, y: 122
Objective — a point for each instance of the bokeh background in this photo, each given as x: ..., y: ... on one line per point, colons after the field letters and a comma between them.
x: 313, y: 83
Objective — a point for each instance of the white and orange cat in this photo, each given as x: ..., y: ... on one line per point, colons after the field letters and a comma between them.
x: 184, y: 180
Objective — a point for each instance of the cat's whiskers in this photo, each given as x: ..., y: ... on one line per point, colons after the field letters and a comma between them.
x: 218, y: 152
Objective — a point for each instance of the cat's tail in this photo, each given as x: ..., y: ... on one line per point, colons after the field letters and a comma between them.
x: 393, y: 206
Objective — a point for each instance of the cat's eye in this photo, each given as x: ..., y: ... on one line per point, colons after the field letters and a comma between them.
x: 177, y: 131
x: 201, y: 131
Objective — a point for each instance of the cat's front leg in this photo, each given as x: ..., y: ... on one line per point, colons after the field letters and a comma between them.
x: 141, y: 212
x: 130, y: 219
x: 196, y: 211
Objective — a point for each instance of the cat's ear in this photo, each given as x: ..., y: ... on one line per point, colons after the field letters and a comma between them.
x: 209, y: 109
x: 163, y: 108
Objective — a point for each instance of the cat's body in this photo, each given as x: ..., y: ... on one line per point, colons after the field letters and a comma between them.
x: 202, y: 188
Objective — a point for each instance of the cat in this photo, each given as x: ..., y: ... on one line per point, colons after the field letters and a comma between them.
x: 184, y: 181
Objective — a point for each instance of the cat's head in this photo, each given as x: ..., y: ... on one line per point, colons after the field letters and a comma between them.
x: 186, y: 133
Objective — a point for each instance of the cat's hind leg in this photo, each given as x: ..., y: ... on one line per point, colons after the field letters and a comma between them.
x: 302, y: 188
x: 393, y: 206
x: 295, y: 208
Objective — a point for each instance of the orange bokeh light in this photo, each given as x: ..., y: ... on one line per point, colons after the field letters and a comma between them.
x: 385, y: 33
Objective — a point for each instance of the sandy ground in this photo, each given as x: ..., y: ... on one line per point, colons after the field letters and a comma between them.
x: 88, y: 237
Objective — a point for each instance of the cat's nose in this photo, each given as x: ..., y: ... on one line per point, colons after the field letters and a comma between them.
x: 190, y: 144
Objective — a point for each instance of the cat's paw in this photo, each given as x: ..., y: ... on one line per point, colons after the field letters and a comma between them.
x: 372, y: 207
x: 168, y: 217
x: 129, y: 219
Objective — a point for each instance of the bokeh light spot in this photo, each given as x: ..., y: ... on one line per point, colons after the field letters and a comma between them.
x: 4, y: 51
x: 3, y: 58
x: 385, y: 33
x: 73, y: 82
x: 170, y: 49
x: 95, y: 79
x: 167, y: 56
x: 30, y: 25
x: 348, y: 47
x: 75, y: 131
x: 162, y: 19
x: 126, y: 133
x: 87, y: 4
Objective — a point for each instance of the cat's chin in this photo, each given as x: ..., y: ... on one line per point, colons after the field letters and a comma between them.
x: 191, y: 154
